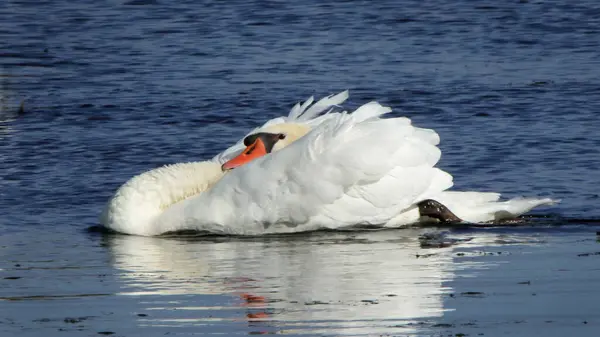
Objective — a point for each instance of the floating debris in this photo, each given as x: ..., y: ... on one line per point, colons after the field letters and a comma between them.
x: 540, y: 83
x: 73, y: 320
x: 479, y: 253
x: 315, y: 303
x: 473, y: 294
x: 425, y: 255
x: 589, y: 254
x: 42, y: 320
x: 21, y: 110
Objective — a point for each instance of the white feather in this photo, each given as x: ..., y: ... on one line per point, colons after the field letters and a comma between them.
x: 348, y: 169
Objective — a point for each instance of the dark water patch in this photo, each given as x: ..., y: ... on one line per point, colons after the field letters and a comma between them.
x: 439, y: 240
x: 215, y: 119
x: 316, y: 303
x: 99, y: 118
x: 405, y: 20
x: 166, y: 31
x: 140, y: 2
x: 370, y: 301
x: 133, y: 38
x: 79, y: 19
x: 55, y: 267
x: 478, y: 253
x: 49, y: 297
x: 486, y: 7
x: 259, y: 23
x: 540, y: 83
x: 549, y: 223
x: 424, y: 256
x: 478, y: 294
x: 420, y: 92
x: 21, y: 111
x: 29, y: 64
x: 74, y: 320
x: 42, y: 55
x: 318, y: 237
x: 65, y: 62
x: 541, y: 221
x: 512, y: 241
x: 588, y: 254
x: 526, y: 42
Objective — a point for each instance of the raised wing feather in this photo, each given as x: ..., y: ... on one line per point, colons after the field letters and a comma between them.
x: 344, y: 172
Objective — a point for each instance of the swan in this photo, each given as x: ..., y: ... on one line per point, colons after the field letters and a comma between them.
x: 311, y: 170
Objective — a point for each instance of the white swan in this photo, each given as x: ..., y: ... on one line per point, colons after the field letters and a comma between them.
x: 333, y: 170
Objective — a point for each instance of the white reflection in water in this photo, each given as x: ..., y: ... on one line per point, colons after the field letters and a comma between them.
x: 340, y: 281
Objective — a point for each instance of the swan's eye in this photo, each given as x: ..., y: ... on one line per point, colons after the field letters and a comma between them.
x: 250, y: 139
x: 281, y: 136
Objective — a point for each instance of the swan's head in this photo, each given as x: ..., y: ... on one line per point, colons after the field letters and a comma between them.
x: 267, y: 140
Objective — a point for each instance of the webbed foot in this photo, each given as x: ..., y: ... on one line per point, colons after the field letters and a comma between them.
x: 436, y: 210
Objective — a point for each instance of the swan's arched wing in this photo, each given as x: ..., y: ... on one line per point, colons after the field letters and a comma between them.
x: 305, y: 113
x: 351, y: 169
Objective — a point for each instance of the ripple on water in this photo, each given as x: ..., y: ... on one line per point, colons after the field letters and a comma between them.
x: 113, y: 89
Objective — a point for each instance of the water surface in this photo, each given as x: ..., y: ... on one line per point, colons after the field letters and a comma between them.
x: 113, y: 88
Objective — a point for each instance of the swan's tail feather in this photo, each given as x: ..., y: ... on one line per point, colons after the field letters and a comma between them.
x: 515, y: 207
x: 478, y: 207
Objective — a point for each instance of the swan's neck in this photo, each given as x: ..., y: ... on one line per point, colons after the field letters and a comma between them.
x: 180, y: 181
x: 144, y: 197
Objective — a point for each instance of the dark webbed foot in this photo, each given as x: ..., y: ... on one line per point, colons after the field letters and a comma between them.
x: 436, y: 210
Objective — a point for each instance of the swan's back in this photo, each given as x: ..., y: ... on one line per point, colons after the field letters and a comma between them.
x: 351, y: 169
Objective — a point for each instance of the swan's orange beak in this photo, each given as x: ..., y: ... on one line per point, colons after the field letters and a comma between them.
x: 252, y: 151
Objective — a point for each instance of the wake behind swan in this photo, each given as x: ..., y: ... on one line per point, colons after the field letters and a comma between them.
x: 313, y: 169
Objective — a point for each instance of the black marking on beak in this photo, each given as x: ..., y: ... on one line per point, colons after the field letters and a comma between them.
x: 269, y: 139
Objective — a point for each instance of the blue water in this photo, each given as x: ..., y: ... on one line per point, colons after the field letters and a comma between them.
x: 114, y: 88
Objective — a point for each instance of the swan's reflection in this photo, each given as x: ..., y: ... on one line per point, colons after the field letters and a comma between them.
x: 9, y: 107
x: 6, y: 118
x: 342, y: 282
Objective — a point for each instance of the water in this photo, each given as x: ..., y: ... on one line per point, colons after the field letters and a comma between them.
x: 114, y: 88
